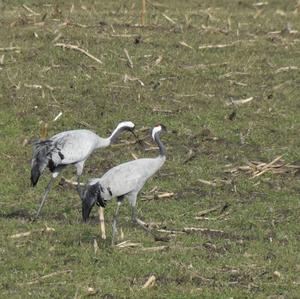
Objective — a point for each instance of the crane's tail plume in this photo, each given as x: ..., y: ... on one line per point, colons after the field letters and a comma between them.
x: 43, y: 156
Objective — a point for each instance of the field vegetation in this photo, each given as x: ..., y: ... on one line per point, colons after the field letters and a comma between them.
x: 223, y: 76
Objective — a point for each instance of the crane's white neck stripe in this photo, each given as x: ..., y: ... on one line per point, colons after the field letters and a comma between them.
x: 155, y: 130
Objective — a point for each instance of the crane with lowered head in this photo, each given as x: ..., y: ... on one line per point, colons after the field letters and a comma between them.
x: 124, y: 180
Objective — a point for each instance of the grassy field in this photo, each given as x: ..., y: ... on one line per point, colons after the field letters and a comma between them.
x: 193, y: 64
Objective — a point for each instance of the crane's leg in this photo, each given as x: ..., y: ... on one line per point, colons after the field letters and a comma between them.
x: 116, y: 218
x: 132, y: 200
x: 102, y: 223
x: 47, y: 190
x: 78, y: 184
x: 79, y: 169
x: 138, y: 221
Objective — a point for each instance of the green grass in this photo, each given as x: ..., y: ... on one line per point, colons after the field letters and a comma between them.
x: 261, y: 230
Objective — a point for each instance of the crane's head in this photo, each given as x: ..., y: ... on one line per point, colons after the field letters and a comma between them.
x: 121, y: 127
x: 126, y: 126
x: 129, y: 126
x: 158, y: 129
x: 91, y: 195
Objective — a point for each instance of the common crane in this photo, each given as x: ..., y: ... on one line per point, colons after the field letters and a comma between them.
x: 124, y: 180
x: 70, y: 147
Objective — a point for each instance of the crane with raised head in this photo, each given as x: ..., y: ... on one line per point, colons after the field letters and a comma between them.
x: 69, y: 147
x: 124, y: 180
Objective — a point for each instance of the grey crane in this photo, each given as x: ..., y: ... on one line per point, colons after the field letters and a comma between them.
x: 124, y: 180
x: 65, y: 148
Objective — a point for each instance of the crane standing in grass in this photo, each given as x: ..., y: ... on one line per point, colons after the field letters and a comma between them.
x: 65, y: 148
x: 124, y: 180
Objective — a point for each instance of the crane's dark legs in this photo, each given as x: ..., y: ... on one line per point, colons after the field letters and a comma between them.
x: 133, y: 214
x: 116, y: 218
x: 47, y: 190
x: 132, y: 200
x: 137, y: 221
x: 114, y: 226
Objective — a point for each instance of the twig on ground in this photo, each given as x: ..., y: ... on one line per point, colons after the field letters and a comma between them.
x: 10, y: 49
x: 143, y: 12
x: 127, y: 243
x: 153, y: 148
x: 157, y: 109
x: 218, y: 46
x: 184, y: 44
x: 57, y: 116
x: 170, y: 231
x: 266, y: 167
x: 190, y: 230
x: 30, y: 10
x: 154, y: 249
x: 285, y: 69
x: 191, y: 155
x: 256, y: 168
x: 96, y: 247
x: 150, y: 282
x: 202, y: 66
x: 281, y: 85
x: 70, y: 182
x: 207, y: 182
x: 203, y: 230
x: 76, y: 48
x: 168, y: 18
x: 160, y: 195
x: 158, y: 60
x: 129, y: 78
x: 45, y: 276
x: 260, y: 4
x: 207, y: 211
x: 134, y: 156
x: 215, y: 182
x: 130, y: 63
x: 58, y: 36
x: 239, y: 102
x: 20, y: 235
x: 26, y: 234
x: 34, y: 86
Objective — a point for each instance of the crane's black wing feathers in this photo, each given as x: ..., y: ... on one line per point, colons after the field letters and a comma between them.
x: 45, y: 154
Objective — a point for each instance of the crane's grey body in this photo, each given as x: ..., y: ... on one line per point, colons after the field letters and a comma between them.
x: 124, y: 180
x: 65, y: 148
x: 129, y: 178
x: 77, y: 145
x: 70, y: 147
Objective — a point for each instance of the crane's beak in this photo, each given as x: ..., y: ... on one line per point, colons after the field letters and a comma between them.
x: 139, y: 141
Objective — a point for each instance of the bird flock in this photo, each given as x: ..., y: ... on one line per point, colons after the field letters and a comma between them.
x: 120, y: 182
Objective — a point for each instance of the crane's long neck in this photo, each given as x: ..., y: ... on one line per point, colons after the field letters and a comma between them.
x: 162, y: 149
x: 104, y: 142
x: 115, y: 134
